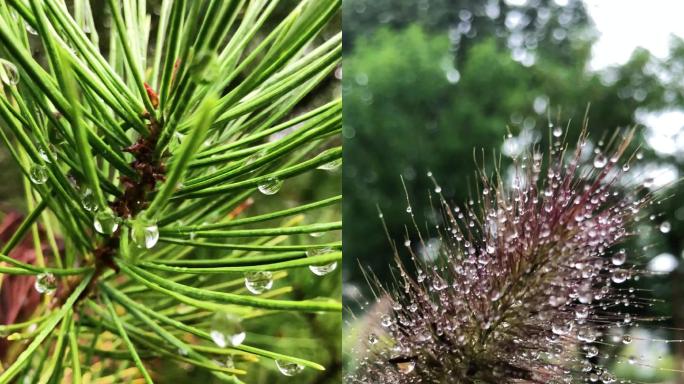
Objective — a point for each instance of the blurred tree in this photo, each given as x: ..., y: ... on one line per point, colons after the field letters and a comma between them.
x: 404, y: 115
x: 527, y: 25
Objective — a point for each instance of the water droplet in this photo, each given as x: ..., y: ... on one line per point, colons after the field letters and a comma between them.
x: 43, y: 155
x: 409, y: 209
x: 665, y: 227
x: 144, y: 233
x: 619, y: 276
x: 288, y: 368
x: 386, y: 321
x: 88, y: 201
x: 625, y: 167
x: 227, y: 330
x: 372, y: 339
x: 586, y: 334
x: 591, y: 351
x: 321, y: 269
x: 438, y: 189
x: 38, y: 174
x: 438, y: 284
x: 607, y: 377
x: 631, y: 360
x: 259, y: 281
x: 406, y: 367
x: 255, y: 157
x: 330, y: 166
x: 582, y: 312
x: 30, y: 29
x: 45, y: 283
x: 9, y: 74
x: 270, y: 186
x: 626, y: 339
x: 557, y: 131
x: 106, y: 222
x: 600, y: 161
x: 561, y: 327
x: 619, y: 257
x: 586, y: 366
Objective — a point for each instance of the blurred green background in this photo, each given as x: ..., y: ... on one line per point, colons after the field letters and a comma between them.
x: 428, y: 83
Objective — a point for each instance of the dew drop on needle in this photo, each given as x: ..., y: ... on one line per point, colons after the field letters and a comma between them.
x: 38, y: 174
x: 227, y: 330
x: 321, y: 269
x: 45, y: 283
x: 9, y: 74
x: 106, y: 222
x: 144, y: 233
x: 259, y: 281
x: 270, y: 186
x: 288, y: 368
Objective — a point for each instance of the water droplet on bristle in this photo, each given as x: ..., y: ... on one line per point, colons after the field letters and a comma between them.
x: 619, y: 276
x: 600, y: 161
x: 619, y: 257
x: 372, y: 339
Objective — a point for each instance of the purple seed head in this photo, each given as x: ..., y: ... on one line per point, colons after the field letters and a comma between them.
x: 527, y: 279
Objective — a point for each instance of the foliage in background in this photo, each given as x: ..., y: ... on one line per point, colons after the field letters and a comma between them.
x: 162, y: 159
x: 470, y: 73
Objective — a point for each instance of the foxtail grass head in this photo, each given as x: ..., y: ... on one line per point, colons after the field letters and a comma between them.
x: 525, y: 281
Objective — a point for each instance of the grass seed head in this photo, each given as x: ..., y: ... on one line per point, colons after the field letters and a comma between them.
x: 527, y: 277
